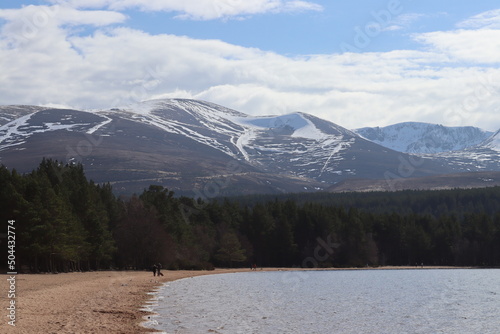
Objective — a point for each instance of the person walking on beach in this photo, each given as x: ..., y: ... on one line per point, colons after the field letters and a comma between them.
x: 155, y: 268
x: 158, y: 268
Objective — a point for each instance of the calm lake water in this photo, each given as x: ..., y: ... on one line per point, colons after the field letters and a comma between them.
x: 354, y: 301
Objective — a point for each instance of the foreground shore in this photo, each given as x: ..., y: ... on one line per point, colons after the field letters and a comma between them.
x: 92, y: 302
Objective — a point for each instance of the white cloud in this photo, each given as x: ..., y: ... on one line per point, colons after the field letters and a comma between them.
x: 117, y: 66
x: 475, y: 46
x: 489, y: 19
x: 202, y: 9
x: 38, y: 24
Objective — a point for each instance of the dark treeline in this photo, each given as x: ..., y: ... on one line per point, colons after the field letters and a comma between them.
x: 62, y: 221
x: 432, y: 202
x: 66, y: 223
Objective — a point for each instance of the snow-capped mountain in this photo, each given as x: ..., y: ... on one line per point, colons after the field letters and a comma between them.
x: 295, y: 144
x: 482, y: 157
x: 232, y: 132
x: 424, y: 138
x: 199, y: 148
x: 492, y: 142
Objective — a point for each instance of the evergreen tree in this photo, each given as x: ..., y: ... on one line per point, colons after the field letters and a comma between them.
x: 230, y: 250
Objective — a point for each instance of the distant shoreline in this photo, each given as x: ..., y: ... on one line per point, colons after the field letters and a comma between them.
x: 107, y: 301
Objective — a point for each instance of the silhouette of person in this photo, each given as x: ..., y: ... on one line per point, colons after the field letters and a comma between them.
x: 155, y: 268
x: 158, y: 268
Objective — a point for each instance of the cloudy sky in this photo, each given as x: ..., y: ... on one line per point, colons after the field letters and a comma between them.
x: 356, y: 63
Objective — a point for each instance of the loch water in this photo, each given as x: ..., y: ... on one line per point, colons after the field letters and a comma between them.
x: 337, y: 301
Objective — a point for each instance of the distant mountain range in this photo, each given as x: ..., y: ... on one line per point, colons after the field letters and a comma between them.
x: 202, y: 149
x: 425, y: 138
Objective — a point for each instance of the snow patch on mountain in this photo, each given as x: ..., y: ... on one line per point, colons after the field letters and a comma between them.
x: 16, y: 132
x: 295, y: 123
x: 337, y: 148
x: 243, y: 140
x: 493, y: 142
x: 100, y: 125
x: 10, y: 132
x: 13, y: 112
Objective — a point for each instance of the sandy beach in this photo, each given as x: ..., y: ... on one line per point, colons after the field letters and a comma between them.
x: 91, y: 302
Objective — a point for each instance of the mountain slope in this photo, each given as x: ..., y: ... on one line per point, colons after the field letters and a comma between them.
x: 424, y: 138
x: 492, y: 142
x: 195, y: 147
x: 482, y: 157
x: 298, y: 144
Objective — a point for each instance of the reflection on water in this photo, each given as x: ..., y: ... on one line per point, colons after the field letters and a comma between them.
x: 357, y: 301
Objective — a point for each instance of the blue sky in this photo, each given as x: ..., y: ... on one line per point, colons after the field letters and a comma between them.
x: 356, y: 63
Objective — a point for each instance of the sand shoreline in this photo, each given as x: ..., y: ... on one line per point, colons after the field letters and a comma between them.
x: 97, y: 302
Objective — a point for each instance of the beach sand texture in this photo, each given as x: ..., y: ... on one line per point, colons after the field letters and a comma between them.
x: 91, y: 302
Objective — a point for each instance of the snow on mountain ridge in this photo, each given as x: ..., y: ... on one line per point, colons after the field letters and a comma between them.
x: 493, y: 142
x: 201, y: 121
x: 216, y: 114
x: 424, y: 138
x: 179, y: 140
x: 189, y: 106
x: 275, y: 142
x: 194, y: 118
x: 296, y: 122
x: 17, y: 131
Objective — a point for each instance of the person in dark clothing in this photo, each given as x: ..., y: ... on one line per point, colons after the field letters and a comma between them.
x: 158, y: 268
x: 155, y: 269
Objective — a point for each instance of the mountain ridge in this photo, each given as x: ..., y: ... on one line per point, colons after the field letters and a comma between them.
x: 424, y: 138
x: 187, y: 145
